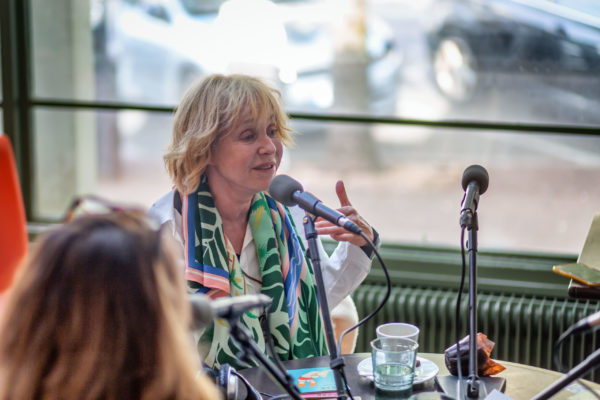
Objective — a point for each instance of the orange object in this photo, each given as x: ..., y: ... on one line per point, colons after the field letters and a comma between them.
x: 485, y: 365
x: 13, y: 224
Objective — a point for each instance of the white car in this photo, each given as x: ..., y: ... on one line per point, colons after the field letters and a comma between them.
x: 158, y: 47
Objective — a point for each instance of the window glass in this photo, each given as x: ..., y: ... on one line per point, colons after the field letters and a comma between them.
x: 62, y: 56
x: 406, y: 181
x: 195, y: 7
x: 533, y: 61
x: 589, y: 7
x: 115, y: 154
x: 509, y: 61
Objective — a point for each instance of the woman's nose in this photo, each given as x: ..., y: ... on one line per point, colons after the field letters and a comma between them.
x: 267, y: 144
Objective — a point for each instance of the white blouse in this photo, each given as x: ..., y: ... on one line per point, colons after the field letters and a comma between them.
x: 342, y: 272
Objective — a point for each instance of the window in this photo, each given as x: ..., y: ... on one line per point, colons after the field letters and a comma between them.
x: 397, y: 98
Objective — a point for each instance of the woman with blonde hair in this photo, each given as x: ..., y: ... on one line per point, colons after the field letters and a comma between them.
x: 227, y: 143
x: 100, y: 311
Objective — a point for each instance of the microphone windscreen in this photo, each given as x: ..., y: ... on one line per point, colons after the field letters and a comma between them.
x: 202, y: 311
x: 282, y: 189
x: 478, y: 174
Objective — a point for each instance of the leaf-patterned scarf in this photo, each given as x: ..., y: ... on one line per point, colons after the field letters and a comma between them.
x: 212, y: 268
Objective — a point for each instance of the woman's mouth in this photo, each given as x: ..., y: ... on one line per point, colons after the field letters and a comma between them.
x: 265, y: 167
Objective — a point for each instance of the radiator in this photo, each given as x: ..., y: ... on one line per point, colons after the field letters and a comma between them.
x: 524, y: 329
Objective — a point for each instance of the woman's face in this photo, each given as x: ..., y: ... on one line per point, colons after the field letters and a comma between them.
x: 246, y: 158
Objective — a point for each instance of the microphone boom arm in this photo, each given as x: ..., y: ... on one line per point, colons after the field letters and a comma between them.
x: 584, y: 367
x: 249, y: 348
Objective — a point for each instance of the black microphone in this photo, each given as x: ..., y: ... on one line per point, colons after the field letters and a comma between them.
x: 290, y: 192
x: 475, y: 181
x: 204, y: 310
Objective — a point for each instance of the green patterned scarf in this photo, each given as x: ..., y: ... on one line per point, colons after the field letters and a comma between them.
x: 212, y: 268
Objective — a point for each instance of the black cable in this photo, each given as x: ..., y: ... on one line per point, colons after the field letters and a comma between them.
x: 361, y: 322
x: 371, y: 315
x: 274, y: 356
x: 557, y: 346
x: 557, y: 362
x: 347, y: 387
x: 251, y: 392
x: 380, y: 306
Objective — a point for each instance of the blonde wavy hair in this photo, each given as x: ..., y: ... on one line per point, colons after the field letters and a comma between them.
x: 208, y: 110
x: 100, y: 311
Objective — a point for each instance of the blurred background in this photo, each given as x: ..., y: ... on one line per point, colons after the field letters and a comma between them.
x: 395, y: 97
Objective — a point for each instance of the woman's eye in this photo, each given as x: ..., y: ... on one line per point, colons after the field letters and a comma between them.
x: 272, y: 132
x: 247, y: 135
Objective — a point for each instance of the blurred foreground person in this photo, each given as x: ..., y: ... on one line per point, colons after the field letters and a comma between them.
x: 100, y: 312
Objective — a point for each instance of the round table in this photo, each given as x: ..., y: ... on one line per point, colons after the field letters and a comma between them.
x: 522, y: 381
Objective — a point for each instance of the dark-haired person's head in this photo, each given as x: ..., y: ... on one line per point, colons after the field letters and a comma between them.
x: 100, y: 312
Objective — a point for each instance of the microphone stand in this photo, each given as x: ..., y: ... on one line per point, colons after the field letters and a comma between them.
x: 471, y: 223
x: 584, y: 367
x: 249, y: 348
x: 336, y: 363
x: 476, y: 387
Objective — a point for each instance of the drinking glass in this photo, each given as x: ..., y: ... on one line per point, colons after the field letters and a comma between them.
x: 393, y: 366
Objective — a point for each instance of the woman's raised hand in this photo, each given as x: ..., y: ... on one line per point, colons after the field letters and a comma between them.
x: 340, y: 234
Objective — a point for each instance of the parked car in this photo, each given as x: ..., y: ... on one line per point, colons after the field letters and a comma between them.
x: 478, y: 44
x: 158, y: 47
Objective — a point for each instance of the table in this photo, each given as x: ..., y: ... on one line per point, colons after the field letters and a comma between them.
x: 522, y: 381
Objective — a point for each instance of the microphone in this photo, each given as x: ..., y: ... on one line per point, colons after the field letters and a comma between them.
x: 204, y: 310
x: 475, y: 181
x: 290, y: 192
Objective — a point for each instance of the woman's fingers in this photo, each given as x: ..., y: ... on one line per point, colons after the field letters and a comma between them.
x: 338, y: 233
x: 340, y: 190
x: 324, y: 227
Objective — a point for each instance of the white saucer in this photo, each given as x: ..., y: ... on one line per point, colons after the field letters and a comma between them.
x: 424, y: 372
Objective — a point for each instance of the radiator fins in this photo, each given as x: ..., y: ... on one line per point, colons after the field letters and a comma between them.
x: 523, y: 328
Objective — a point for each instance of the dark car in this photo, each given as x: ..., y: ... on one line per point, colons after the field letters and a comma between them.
x: 478, y: 45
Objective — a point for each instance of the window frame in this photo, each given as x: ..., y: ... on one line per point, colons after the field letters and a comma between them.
x: 18, y: 105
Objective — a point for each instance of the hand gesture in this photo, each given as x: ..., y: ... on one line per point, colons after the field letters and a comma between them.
x: 340, y: 234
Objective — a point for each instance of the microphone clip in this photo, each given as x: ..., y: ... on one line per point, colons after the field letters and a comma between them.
x: 469, y: 220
